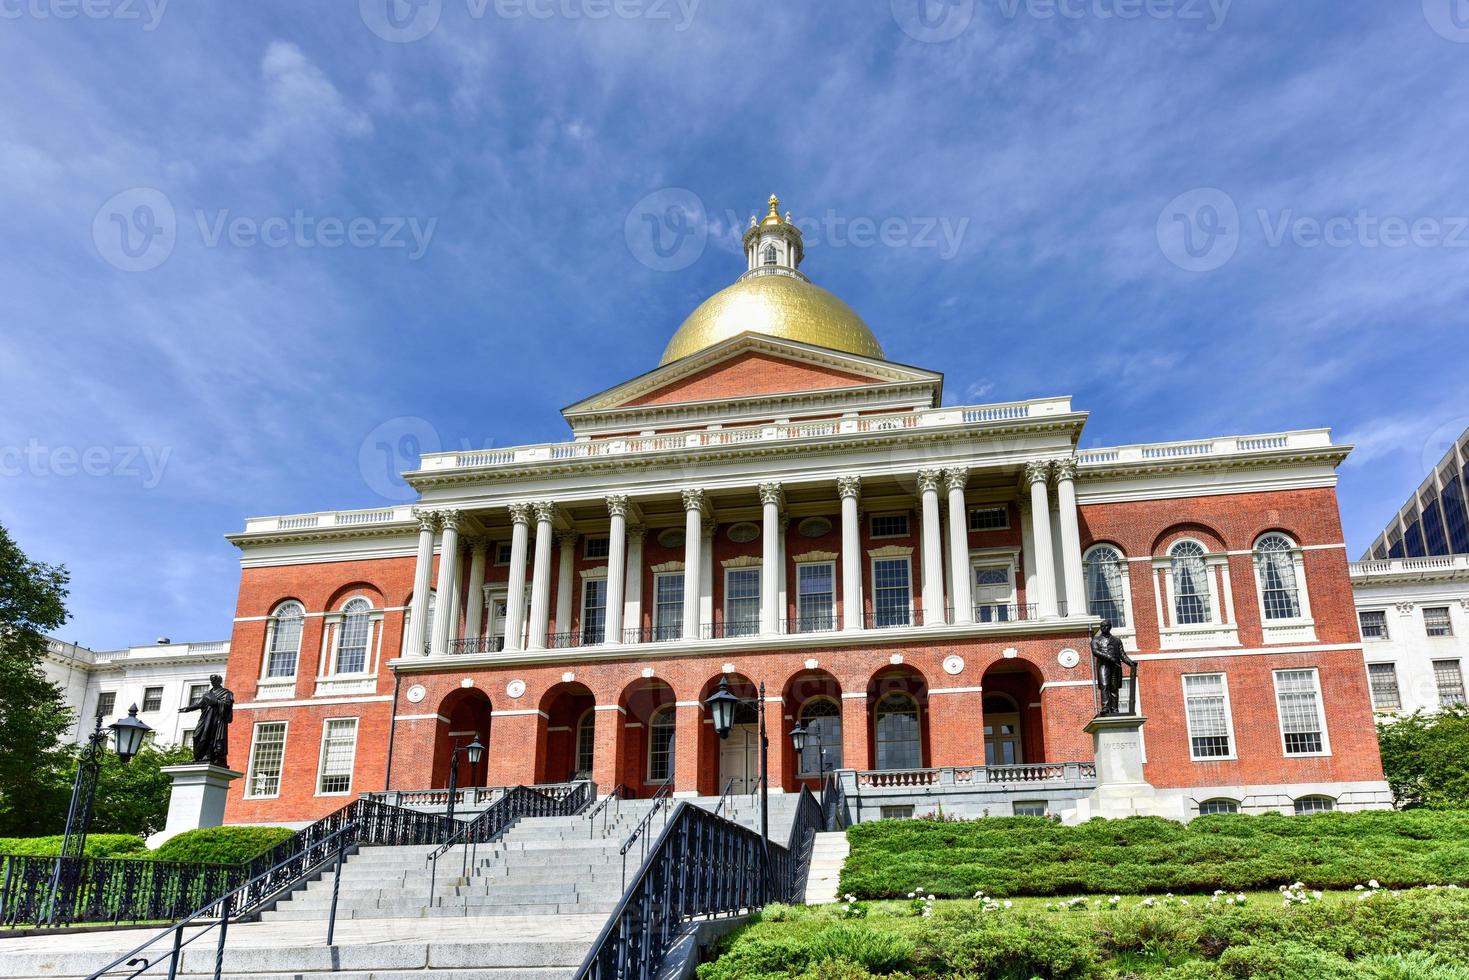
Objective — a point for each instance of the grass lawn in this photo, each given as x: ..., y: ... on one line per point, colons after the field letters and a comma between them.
x: 1412, y: 934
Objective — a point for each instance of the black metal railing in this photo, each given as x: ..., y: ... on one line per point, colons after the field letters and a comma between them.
x: 604, y: 809
x: 833, y: 803
x: 36, y: 890
x: 724, y: 796
x: 824, y: 622
x: 661, y: 800
x: 810, y: 820
x: 477, y: 644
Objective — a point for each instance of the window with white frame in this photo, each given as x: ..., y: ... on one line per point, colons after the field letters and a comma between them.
x: 1192, y: 603
x: 338, y: 753
x: 152, y: 699
x: 1373, y: 623
x: 1308, y: 805
x: 1436, y: 621
x: 353, y: 635
x: 1298, y: 703
x: 194, y: 693
x: 267, y: 756
x: 742, y: 601
x: 586, y: 743
x: 1103, y: 572
x: 1218, y: 805
x: 593, y: 610
x: 1278, y: 575
x: 1206, y: 708
x: 599, y: 547
x: 899, y: 739
x: 284, y: 640
x: 1449, y: 678
x: 823, y: 749
x: 892, y: 592
x: 989, y: 518
x: 106, y: 701
x: 661, y: 731
x: 993, y: 593
x: 1383, y: 681
x: 770, y: 255
x: 889, y: 525
x: 668, y: 605
x: 1030, y: 808
x: 815, y: 596
x: 503, y: 551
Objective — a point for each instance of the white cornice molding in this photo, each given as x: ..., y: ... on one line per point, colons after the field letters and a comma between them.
x: 742, y: 561
x: 810, y: 556
x: 667, y: 566
x: 890, y: 551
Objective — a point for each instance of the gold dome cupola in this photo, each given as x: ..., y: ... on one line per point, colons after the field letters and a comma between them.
x: 773, y: 246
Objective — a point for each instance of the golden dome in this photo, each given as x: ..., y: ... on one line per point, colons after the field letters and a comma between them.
x: 778, y: 306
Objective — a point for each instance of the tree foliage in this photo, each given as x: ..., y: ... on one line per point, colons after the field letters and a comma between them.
x: 133, y: 798
x: 34, y: 763
x: 1426, y: 759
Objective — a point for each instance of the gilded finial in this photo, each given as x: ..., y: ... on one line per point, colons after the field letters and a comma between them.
x: 752, y: 221
x: 773, y: 216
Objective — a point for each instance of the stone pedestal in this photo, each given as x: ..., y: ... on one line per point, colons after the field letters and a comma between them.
x: 197, y: 798
x: 1122, y: 790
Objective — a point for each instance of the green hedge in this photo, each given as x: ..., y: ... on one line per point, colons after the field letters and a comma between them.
x: 98, y: 845
x: 1418, y: 935
x: 1143, y: 855
x: 221, y: 845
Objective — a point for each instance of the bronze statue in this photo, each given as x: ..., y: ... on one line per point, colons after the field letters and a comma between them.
x: 1110, y: 658
x: 216, y: 708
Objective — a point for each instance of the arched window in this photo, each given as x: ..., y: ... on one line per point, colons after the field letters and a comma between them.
x: 428, y: 626
x: 586, y: 744
x: 1314, y: 804
x: 770, y: 255
x: 1103, y: 567
x: 823, y: 752
x: 1218, y: 805
x: 661, y: 729
x: 285, y: 640
x: 1191, y: 604
x: 1275, y: 576
x: 898, y: 738
x: 353, y: 636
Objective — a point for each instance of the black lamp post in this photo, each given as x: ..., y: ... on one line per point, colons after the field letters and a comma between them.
x: 722, y: 705
x: 128, y: 734
x: 475, y: 751
x: 798, y: 742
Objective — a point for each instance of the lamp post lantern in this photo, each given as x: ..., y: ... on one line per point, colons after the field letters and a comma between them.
x: 474, y: 751
x: 722, y: 705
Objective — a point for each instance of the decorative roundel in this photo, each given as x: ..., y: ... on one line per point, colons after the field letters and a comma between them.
x: 814, y: 527
x: 515, y: 688
x: 1068, y: 658
x: 417, y: 693
x: 467, y: 682
x: 671, y: 538
x: 727, y: 669
x: 1010, y: 653
x: 744, y: 532
x: 953, y: 664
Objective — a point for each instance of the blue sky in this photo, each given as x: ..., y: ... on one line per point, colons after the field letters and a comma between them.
x: 1130, y: 190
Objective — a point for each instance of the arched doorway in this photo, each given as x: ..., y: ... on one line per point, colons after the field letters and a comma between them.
x: 897, y: 699
x: 467, y: 711
x: 650, y: 743
x: 1014, y: 733
x: 568, y: 733
x: 736, y: 758
x: 813, y: 698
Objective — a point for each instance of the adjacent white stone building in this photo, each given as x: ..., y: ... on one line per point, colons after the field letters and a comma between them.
x: 1414, y: 615
x: 160, y: 679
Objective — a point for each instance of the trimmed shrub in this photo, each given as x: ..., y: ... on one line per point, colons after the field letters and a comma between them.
x: 221, y: 845
x: 98, y: 845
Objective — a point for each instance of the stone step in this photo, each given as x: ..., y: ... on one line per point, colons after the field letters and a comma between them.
x: 286, y: 914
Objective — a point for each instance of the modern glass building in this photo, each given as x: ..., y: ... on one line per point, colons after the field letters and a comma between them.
x: 1435, y: 520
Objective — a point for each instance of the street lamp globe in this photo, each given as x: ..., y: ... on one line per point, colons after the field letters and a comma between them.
x: 722, y: 706
x: 474, y: 751
x: 129, y: 733
x: 798, y: 737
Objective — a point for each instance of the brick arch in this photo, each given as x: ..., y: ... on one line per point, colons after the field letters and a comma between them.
x: 1023, y: 681
x: 464, y: 713
x: 905, y: 681
x: 640, y: 700
x: 802, y: 687
x: 563, y: 707
x: 1204, y: 533
x: 339, y: 597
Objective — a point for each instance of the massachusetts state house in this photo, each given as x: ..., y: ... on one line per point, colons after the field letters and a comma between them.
x: 777, y: 505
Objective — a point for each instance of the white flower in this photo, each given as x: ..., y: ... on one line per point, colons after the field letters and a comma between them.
x: 1007, y: 903
x: 1316, y: 895
x: 1357, y: 887
x: 910, y: 894
x: 1372, y: 883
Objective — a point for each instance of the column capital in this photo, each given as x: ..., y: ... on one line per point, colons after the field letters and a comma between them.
x: 617, y: 505
x: 1037, y: 471
x: 772, y: 493
x: 545, y: 511
x: 956, y: 478
x: 709, y: 526
x: 929, y: 480
x: 451, y: 520
x: 521, y: 513
x: 849, y: 486
x: 1064, y: 469
x: 428, y: 520
x: 637, y: 531
x: 475, y: 542
x: 693, y: 499
x: 566, y: 539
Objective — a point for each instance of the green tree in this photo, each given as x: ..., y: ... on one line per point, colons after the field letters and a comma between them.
x: 133, y: 798
x: 1426, y: 758
x: 35, y: 767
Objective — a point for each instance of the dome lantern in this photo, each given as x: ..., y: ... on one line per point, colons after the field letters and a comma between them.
x: 773, y: 246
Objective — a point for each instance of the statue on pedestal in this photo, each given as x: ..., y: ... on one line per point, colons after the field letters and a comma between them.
x: 216, y: 708
x: 1109, y: 659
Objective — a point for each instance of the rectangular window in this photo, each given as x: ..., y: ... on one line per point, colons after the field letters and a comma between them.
x: 1374, y: 624
x: 152, y: 698
x: 267, y: 754
x: 1217, y: 806
x: 892, y: 592
x: 196, y: 691
x: 503, y: 552
x: 593, y: 610
x: 897, y: 812
x: 661, y: 732
x: 742, y: 601
x: 1206, y: 707
x: 1383, y: 680
x: 889, y: 525
x: 1030, y: 808
x: 353, y: 635
x: 815, y: 596
x: 993, y: 594
x: 989, y: 518
x: 1450, y: 680
x: 187, y: 738
x: 338, y: 752
x: 1298, y: 703
x: 106, y: 701
x: 1436, y: 621
x: 668, y: 606
x: 598, y: 547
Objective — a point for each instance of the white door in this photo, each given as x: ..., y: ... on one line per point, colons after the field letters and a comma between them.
x: 994, y: 593
x: 739, y: 759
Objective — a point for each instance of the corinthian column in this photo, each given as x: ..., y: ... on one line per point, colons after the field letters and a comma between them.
x: 540, y: 583
x: 1075, y: 590
x: 693, y: 560
x: 616, y: 566
x: 771, y: 497
x: 933, y: 548
x: 955, y: 479
x: 520, y: 518
x: 565, y: 588
x: 1036, y: 474
x: 850, y: 488
x: 444, y: 611
x: 416, y: 643
x: 633, y: 605
x: 474, y: 616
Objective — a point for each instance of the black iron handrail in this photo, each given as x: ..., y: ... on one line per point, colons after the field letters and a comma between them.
x: 810, y: 820
x: 660, y: 801
x: 614, y: 796
x: 236, y: 903
x: 724, y: 796
x: 833, y: 803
